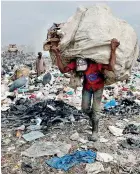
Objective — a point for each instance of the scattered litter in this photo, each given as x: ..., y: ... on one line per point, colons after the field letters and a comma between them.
x: 83, y: 141
x: 51, y: 107
x: 5, y: 108
x: 131, y: 128
x: 120, y: 125
x: 26, y: 167
x: 6, y: 141
x: 94, y: 168
x: 18, y: 134
x: 103, y: 140
x: 46, y: 78
x: 24, y: 110
x: 33, y: 135
x: 47, y: 148
x: 115, y: 131
x: 22, y: 128
x: 68, y: 161
x: 11, y: 148
x: 126, y: 120
x: 34, y: 127
x: 75, y: 136
x: 110, y: 104
x: 126, y: 107
x: 131, y: 143
x: 38, y: 121
x: 104, y: 157
x: 83, y: 147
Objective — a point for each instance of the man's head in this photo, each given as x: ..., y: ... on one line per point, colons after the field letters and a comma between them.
x: 39, y: 55
x: 81, y: 64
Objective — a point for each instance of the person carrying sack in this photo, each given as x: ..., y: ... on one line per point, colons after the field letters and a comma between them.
x: 93, y: 83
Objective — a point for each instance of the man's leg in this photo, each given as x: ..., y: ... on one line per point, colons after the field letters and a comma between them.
x: 96, y: 108
x: 86, y: 102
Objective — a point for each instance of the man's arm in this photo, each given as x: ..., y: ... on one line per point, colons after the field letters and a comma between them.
x: 58, y: 60
x: 112, y: 60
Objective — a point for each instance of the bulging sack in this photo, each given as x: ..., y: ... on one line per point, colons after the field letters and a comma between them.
x: 88, y: 34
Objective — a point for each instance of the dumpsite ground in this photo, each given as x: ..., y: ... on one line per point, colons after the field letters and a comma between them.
x: 126, y: 161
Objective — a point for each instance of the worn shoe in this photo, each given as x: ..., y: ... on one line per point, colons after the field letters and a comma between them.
x: 93, y: 137
x: 94, y: 124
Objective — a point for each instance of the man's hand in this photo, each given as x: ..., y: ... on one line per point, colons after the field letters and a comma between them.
x: 54, y: 49
x: 114, y: 44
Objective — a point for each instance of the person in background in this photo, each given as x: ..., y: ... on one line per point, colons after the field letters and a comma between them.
x: 40, y: 64
x: 93, y: 83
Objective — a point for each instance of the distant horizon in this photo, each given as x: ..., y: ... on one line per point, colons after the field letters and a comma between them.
x: 26, y: 23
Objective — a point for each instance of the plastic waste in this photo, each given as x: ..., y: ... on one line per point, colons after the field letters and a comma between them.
x: 47, y: 148
x: 131, y: 143
x: 47, y: 78
x: 18, y: 83
x: 70, y: 160
x: 20, y: 90
x: 94, y: 168
x: 34, y: 127
x: 18, y: 134
x: 26, y: 167
x: 38, y: 121
x: 22, y: 128
x: 131, y: 128
x: 111, y: 103
x: 24, y: 110
x: 33, y: 135
x: 70, y: 92
x: 104, y: 157
x: 115, y: 131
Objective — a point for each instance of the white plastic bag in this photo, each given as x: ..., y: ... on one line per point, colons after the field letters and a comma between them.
x: 88, y: 34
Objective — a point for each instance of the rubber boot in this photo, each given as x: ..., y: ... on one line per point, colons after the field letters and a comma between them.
x: 90, y: 119
x: 95, y: 125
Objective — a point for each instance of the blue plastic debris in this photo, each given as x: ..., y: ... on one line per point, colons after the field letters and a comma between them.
x: 70, y: 92
x: 110, y: 104
x: 70, y: 160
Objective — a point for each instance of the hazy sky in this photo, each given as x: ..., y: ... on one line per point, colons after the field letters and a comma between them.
x: 27, y: 22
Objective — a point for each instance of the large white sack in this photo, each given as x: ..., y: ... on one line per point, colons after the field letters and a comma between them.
x: 89, y: 32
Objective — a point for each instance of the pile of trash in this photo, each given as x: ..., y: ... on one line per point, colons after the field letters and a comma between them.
x: 9, y: 61
x: 124, y: 107
x: 123, y: 99
x: 49, y: 111
x: 34, y: 113
x: 119, y: 99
